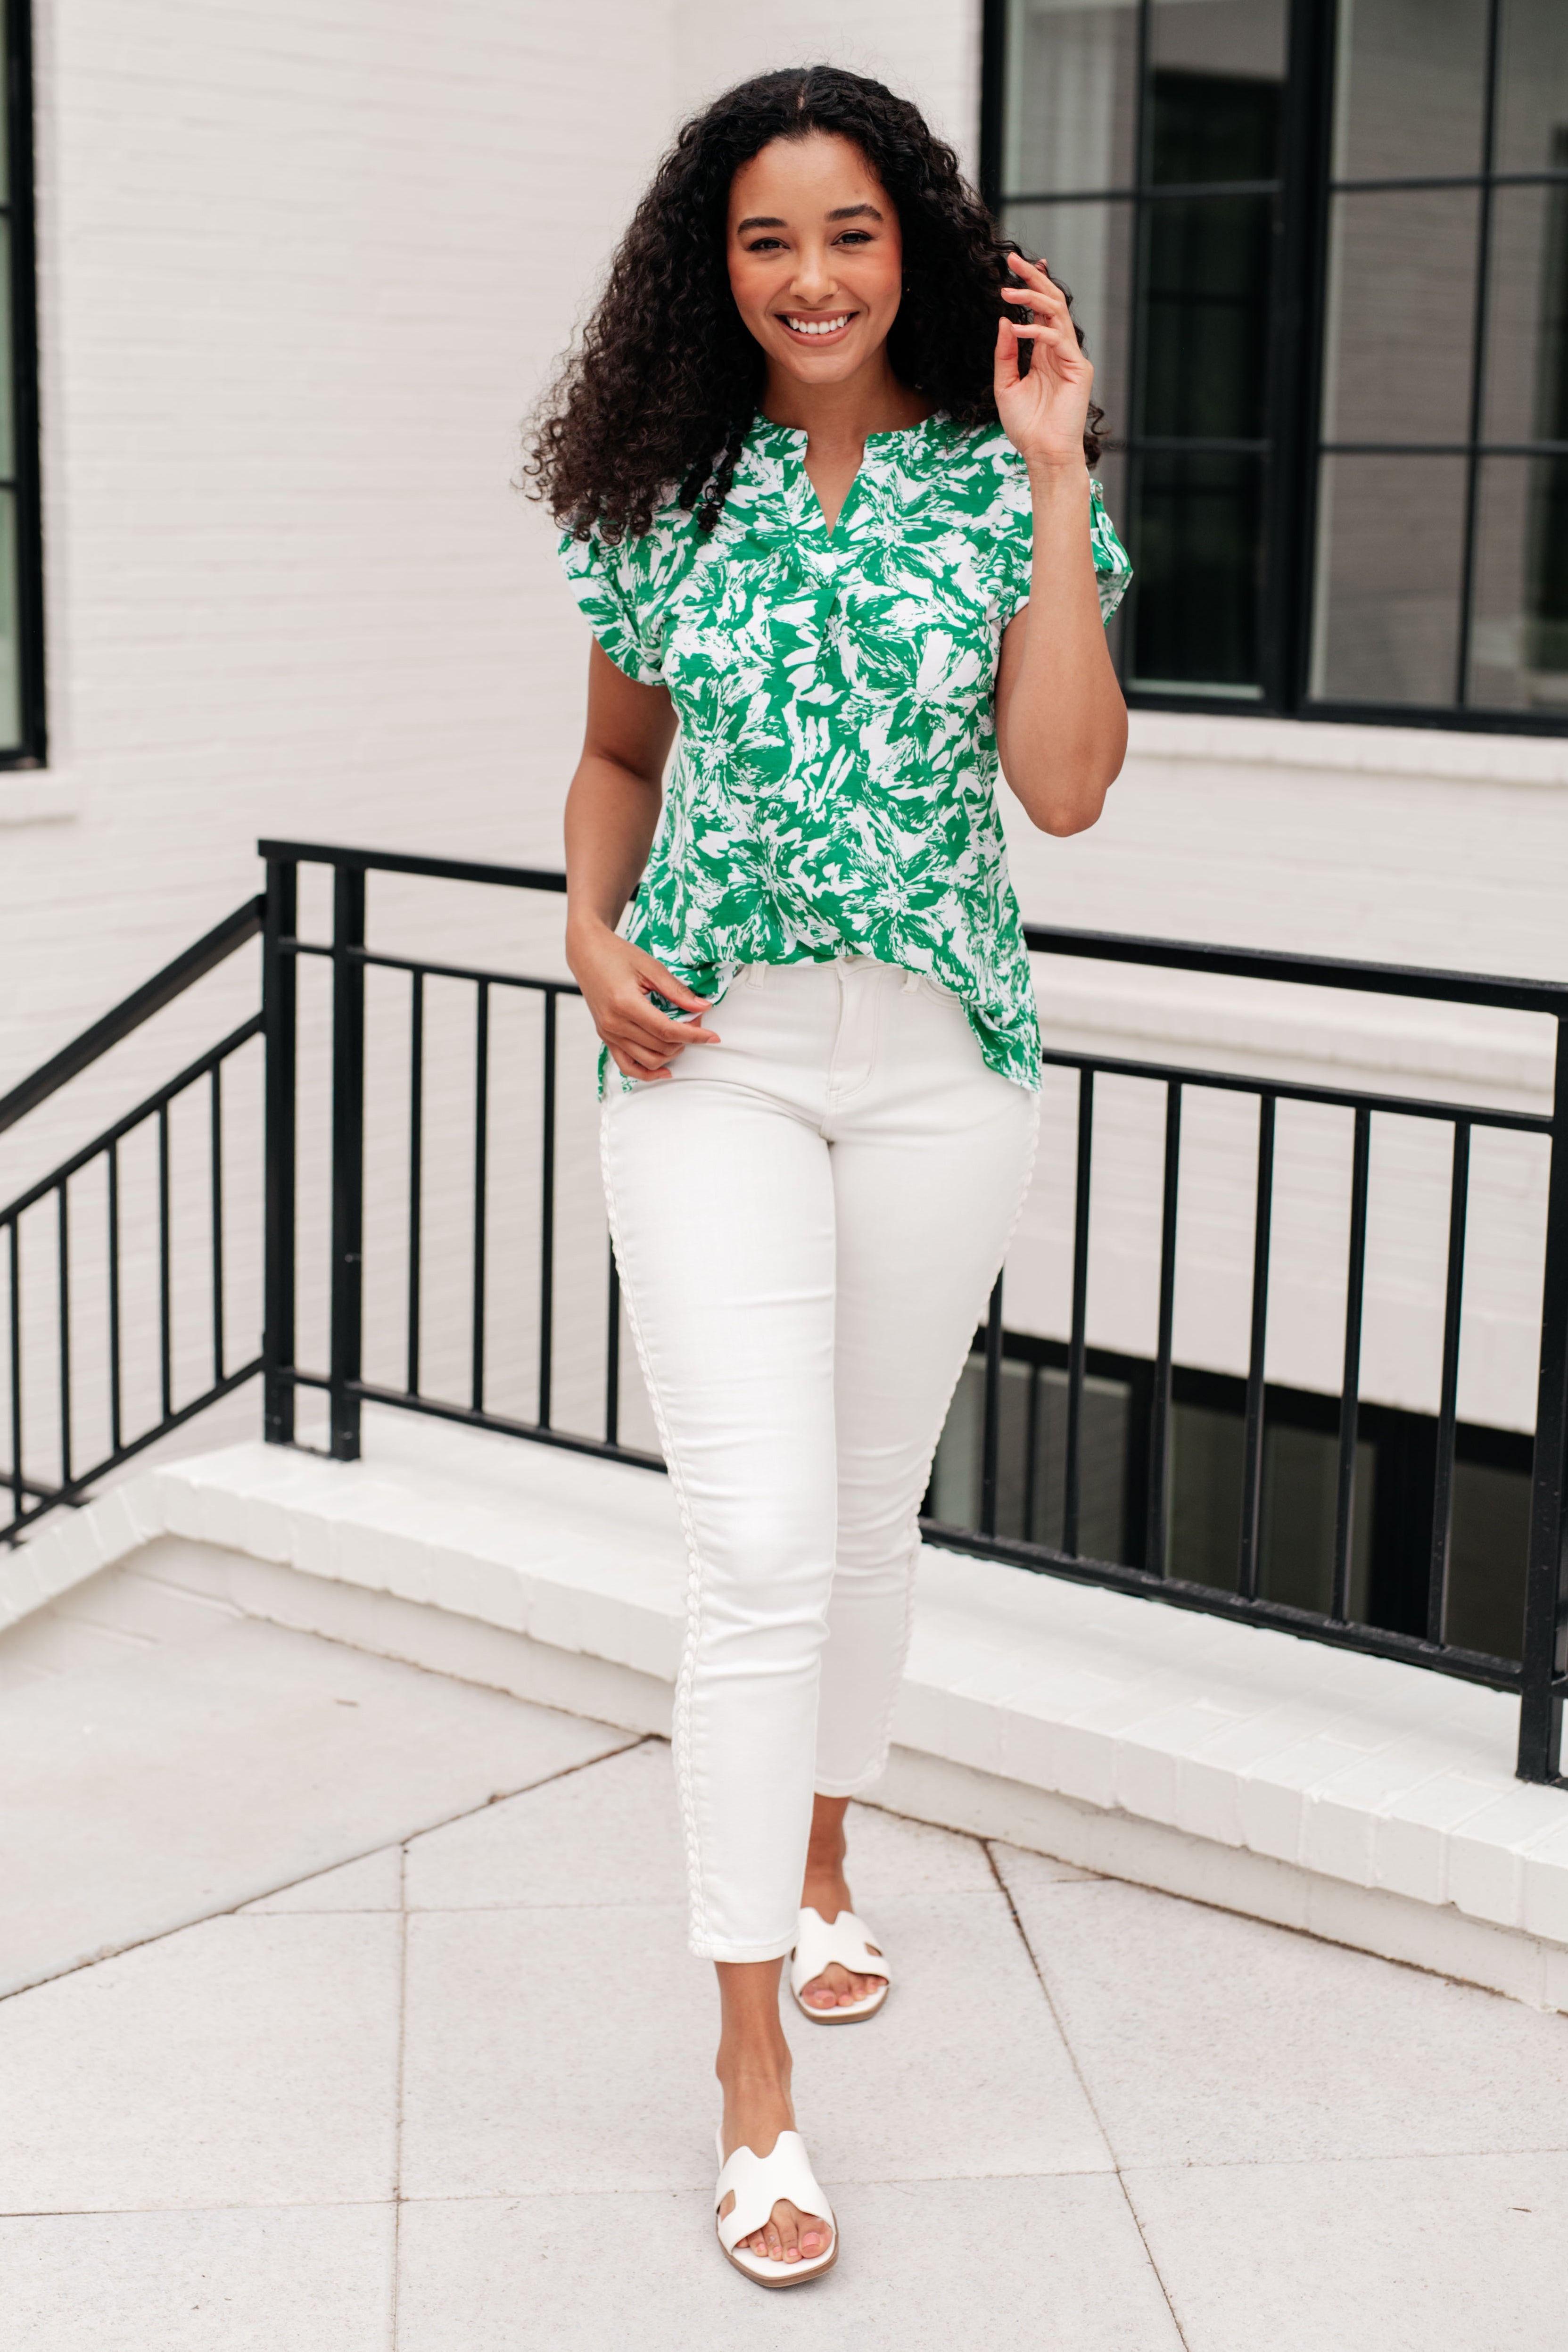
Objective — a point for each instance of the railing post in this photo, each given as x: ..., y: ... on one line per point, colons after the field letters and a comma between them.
x: 1540, y: 1710
x: 280, y: 996
x: 348, y: 1159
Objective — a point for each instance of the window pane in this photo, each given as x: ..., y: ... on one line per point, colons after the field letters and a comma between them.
x: 1532, y: 85
x: 10, y: 650
x: 1071, y: 101
x: 1194, y: 543
x: 1526, y: 339
x: 1217, y: 74
x: 7, y: 419
x: 1410, y: 87
x: 1390, y: 549
x: 1519, y: 634
x: 1397, y: 350
x: 1088, y: 248
x: 1205, y: 335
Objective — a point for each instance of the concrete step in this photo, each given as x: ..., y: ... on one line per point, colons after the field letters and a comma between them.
x: 1366, y: 1802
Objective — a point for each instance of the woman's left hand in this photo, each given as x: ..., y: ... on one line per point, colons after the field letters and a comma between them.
x: 1045, y: 412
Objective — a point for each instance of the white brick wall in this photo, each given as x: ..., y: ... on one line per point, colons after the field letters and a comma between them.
x: 301, y: 269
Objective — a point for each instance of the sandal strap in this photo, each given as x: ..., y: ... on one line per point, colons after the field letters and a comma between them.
x: 847, y: 1939
x: 759, y: 2182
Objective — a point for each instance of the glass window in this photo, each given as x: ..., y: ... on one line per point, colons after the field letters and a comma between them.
x: 1319, y: 249
x: 1141, y: 157
x: 21, y: 652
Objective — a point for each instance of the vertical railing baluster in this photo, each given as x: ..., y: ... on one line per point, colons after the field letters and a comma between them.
x: 1447, y: 1401
x: 279, y: 1004
x: 990, y: 1421
x: 1249, y: 1565
x: 547, y: 1219
x: 116, y: 1430
x: 1349, y: 1385
x: 62, y: 1245
x: 217, y: 1147
x: 19, y: 1481
x: 1031, y: 1453
x: 1072, y: 1487
x: 482, y: 1188
x: 415, y: 1173
x: 166, y: 1271
x: 1154, y: 1541
x: 348, y: 1160
x: 612, y: 1356
x: 1541, y: 1708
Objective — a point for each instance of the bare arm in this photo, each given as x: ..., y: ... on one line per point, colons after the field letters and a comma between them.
x: 1061, y: 724
x: 612, y: 811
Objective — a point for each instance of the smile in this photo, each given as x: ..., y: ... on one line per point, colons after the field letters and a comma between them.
x: 819, y: 326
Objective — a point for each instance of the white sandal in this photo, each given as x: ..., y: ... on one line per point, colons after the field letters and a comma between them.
x: 759, y: 2182
x: 848, y: 1941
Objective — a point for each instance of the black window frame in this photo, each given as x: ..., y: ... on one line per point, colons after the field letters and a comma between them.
x: 1295, y: 366
x: 17, y: 202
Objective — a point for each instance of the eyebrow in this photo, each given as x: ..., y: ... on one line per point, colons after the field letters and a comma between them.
x: 845, y: 212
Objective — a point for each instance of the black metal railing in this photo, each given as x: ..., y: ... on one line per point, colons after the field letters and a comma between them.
x: 49, y: 1363
x: 1539, y: 1677
x: 343, y: 1383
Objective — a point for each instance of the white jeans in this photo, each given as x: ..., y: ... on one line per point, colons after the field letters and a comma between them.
x: 808, y: 1219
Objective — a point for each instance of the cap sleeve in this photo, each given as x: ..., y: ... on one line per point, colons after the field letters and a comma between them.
x: 607, y: 583
x: 1112, y: 568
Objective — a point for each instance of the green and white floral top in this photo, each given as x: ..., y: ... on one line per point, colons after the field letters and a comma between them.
x: 833, y: 791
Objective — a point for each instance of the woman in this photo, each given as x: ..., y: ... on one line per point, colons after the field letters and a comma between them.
x: 828, y: 517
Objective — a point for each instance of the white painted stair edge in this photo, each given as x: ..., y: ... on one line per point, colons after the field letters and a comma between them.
x: 1368, y: 1802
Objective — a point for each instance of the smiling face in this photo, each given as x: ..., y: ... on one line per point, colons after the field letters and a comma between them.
x: 815, y: 257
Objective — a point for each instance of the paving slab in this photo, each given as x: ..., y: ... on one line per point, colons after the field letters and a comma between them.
x: 185, y: 1779
x: 1208, y: 2039
x: 568, y: 2049
x: 612, y: 1836
x: 1387, y: 2255
x: 926, y: 2266
x: 963, y: 2072
x: 574, y: 2049
x: 231, y: 2281
x: 242, y: 2061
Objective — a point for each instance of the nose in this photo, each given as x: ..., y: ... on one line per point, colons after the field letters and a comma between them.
x: 813, y: 282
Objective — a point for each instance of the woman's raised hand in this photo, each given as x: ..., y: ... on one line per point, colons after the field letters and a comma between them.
x: 617, y: 980
x: 1045, y: 412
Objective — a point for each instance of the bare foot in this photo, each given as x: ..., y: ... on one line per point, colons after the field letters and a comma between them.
x: 826, y: 1892
x: 757, y: 2107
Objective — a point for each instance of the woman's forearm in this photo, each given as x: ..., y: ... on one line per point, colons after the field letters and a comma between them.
x: 1061, y: 723
x: 612, y: 814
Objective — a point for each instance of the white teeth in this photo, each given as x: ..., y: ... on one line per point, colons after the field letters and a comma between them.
x: 816, y: 326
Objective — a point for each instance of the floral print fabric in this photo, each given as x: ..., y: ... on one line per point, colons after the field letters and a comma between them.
x: 834, y: 789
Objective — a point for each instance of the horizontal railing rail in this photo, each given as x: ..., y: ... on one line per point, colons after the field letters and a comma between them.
x: 1538, y: 1675
x: 194, y: 964
x: 46, y: 1366
x: 1501, y: 993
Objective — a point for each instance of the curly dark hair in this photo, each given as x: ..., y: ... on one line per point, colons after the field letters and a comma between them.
x: 660, y: 389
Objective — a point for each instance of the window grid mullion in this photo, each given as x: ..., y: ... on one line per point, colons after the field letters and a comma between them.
x: 1478, y: 362
x: 1132, y: 478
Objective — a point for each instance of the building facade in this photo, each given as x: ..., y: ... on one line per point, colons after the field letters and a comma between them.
x: 301, y: 270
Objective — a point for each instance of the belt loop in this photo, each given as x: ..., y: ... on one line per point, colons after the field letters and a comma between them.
x: 911, y: 982
x: 755, y: 975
